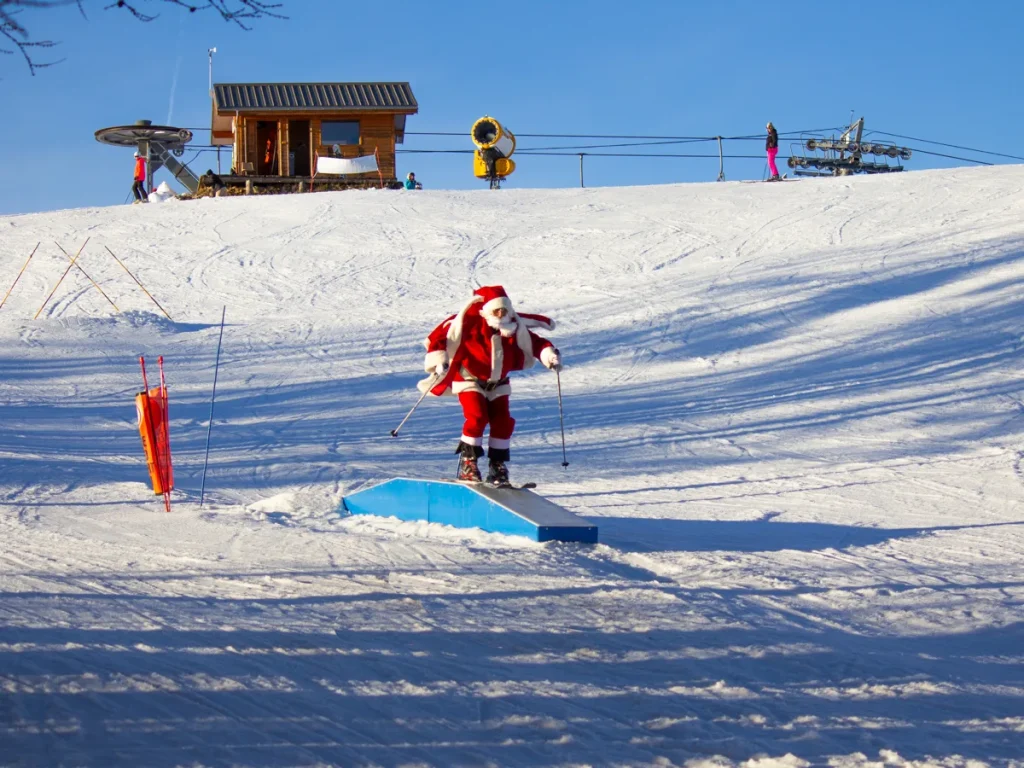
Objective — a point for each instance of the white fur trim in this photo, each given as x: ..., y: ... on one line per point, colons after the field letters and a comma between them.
x: 546, y: 356
x: 455, y: 329
x: 434, y: 359
x: 526, y: 345
x: 478, y: 441
x: 497, y: 357
x: 499, y: 442
x: 425, y: 384
x: 493, y: 304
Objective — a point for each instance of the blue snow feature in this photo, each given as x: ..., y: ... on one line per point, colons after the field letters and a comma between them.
x: 518, y: 512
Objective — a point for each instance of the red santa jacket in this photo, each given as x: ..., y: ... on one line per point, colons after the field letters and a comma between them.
x: 478, y: 353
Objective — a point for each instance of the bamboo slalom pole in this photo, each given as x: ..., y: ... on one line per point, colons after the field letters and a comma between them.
x: 133, y: 277
x: 19, y: 274
x: 76, y: 264
x: 61, y: 279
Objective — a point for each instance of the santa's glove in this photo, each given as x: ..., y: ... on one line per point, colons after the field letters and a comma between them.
x: 550, y: 358
x: 436, y: 362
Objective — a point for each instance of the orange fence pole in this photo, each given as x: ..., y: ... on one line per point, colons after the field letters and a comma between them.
x: 133, y: 277
x: 61, y: 278
x: 164, y: 440
x: 75, y: 264
x: 154, y: 428
x: 19, y: 275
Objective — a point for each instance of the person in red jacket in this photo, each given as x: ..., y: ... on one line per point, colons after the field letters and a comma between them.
x: 471, y: 355
x: 139, y: 187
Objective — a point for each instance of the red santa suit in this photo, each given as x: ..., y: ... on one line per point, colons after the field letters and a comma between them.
x: 471, y: 355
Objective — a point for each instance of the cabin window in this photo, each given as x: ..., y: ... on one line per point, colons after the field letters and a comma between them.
x: 339, y: 132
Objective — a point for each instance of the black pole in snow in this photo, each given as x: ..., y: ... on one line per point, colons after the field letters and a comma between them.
x: 213, y: 397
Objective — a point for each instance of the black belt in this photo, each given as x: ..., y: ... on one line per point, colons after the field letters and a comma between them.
x: 490, y: 386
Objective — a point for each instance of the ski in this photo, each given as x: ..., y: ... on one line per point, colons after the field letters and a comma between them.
x: 508, y: 486
x: 783, y: 177
x: 514, y: 486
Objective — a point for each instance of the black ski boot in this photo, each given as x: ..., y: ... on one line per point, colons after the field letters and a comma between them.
x: 468, y: 470
x: 497, y: 473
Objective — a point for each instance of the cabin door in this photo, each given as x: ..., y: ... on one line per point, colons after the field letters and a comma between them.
x: 299, y: 152
x: 266, y: 146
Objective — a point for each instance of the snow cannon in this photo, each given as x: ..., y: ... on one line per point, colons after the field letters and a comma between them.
x: 495, y: 145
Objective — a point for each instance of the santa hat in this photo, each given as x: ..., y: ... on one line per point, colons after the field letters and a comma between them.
x: 493, y: 296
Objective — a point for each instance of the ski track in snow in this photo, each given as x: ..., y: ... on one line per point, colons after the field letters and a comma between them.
x: 794, y: 411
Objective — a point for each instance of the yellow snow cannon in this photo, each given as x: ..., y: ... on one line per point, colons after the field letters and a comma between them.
x: 495, y: 145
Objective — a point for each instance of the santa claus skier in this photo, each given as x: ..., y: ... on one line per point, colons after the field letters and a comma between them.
x: 471, y: 355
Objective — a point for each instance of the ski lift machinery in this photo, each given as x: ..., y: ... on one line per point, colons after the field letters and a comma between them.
x: 845, y: 156
x: 161, y: 145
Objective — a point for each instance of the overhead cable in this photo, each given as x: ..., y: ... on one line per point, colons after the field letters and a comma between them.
x: 951, y: 146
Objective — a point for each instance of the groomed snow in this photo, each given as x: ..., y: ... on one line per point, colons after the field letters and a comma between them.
x: 794, y: 410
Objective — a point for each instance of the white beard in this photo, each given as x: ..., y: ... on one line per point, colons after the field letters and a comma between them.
x: 506, y: 326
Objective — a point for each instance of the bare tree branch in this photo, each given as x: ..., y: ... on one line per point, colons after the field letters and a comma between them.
x: 17, y: 35
x: 18, y: 40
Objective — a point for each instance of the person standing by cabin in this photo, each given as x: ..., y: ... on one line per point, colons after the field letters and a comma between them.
x: 411, y: 183
x: 771, y: 146
x: 139, y: 184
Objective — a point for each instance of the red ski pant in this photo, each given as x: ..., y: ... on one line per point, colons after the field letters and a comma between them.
x: 479, y: 412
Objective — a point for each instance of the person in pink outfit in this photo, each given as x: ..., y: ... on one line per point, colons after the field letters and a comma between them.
x: 771, y: 145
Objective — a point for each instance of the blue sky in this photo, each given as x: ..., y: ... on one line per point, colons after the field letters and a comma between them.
x: 941, y: 70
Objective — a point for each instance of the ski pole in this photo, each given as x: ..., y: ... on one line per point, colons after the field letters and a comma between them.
x: 209, y: 431
x: 426, y: 391
x: 561, y: 420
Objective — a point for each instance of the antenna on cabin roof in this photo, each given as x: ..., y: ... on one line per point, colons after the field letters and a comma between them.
x: 845, y: 156
x: 210, y: 52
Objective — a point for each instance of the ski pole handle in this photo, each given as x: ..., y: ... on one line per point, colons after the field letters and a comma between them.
x: 426, y: 391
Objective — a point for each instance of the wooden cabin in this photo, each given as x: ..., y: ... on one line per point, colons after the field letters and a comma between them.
x: 276, y: 130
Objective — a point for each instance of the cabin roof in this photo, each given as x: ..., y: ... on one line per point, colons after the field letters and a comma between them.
x: 314, y: 97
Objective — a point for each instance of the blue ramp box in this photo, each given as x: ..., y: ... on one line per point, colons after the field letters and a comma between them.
x: 518, y: 512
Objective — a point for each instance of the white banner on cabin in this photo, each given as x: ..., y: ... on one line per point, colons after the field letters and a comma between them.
x: 343, y: 165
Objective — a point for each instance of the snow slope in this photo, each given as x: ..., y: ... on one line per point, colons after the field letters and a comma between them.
x: 794, y: 410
